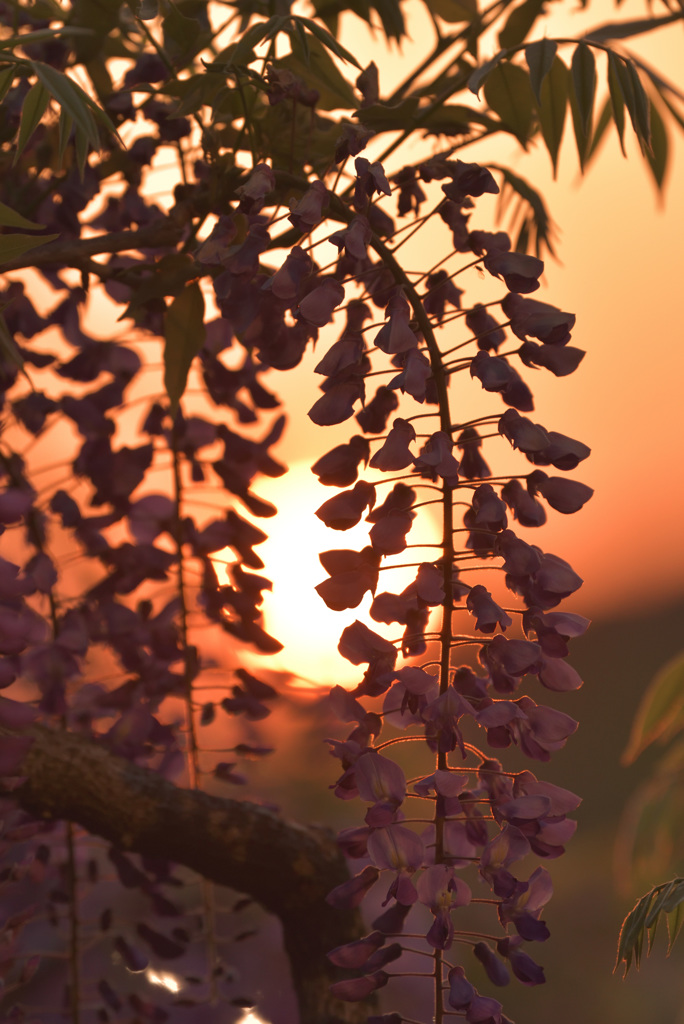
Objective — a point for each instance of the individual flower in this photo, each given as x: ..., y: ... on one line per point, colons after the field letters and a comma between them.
x: 487, y: 330
x: 346, y: 508
x: 395, y: 454
x: 440, y: 889
x: 318, y: 305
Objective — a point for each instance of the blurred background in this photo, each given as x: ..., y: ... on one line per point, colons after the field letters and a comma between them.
x: 620, y: 270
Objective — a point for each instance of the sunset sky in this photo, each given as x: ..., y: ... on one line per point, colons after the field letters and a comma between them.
x: 620, y: 272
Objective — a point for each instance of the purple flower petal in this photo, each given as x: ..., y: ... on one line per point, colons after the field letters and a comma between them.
x: 349, y: 894
x: 360, y: 644
x: 352, y: 574
x: 566, y: 496
x: 520, y: 271
x: 556, y: 674
x: 481, y: 604
x: 356, y: 989
x: 485, y: 328
x: 396, y: 848
x: 317, y: 307
x: 345, y: 509
x: 414, y: 377
x: 483, y: 1010
x: 533, y: 319
x: 495, y: 970
x: 355, y: 954
x: 395, y: 454
x: 340, y: 466
x: 379, y: 779
x: 561, y: 360
x: 461, y: 992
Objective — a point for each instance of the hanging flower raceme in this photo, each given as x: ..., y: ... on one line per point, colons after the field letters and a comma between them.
x: 482, y: 822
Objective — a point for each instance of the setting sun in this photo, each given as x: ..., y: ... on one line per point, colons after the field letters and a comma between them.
x: 293, y: 611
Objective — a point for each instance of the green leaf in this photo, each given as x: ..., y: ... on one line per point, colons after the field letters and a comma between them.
x: 14, y: 246
x: 675, y: 920
x: 454, y: 11
x: 662, y: 84
x: 243, y: 51
x: 65, y: 126
x: 6, y: 80
x: 194, y: 92
x: 643, y: 918
x: 70, y: 97
x: 384, y: 118
x: 454, y: 119
x: 329, y: 12
x: 617, y: 99
x: 625, y: 29
x: 9, y: 218
x: 531, y: 217
x: 32, y: 111
x: 657, y: 156
x: 388, y: 11
x: 539, y: 57
x: 10, y: 349
x: 581, y: 137
x: 320, y: 72
x: 660, y: 715
x: 507, y: 91
x: 184, y: 332
x: 642, y: 107
x: 393, y: 24
x: 584, y: 84
x: 303, y: 38
x: 582, y: 96
x: 40, y: 35
x: 604, y: 119
x: 478, y: 77
x: 328, y: 41
x: 519, y: 22
x: 553, y: 107
x: 673, y: 110
x: 169, y: 276
x: 635, y: 99
x: 183, y: 37
x: 81, y: 148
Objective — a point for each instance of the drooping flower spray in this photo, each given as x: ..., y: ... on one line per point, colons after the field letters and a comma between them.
x: 453, y: 836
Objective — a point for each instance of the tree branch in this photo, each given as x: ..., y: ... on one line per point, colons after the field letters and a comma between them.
x: 287, y: 868
x: 72, y: 253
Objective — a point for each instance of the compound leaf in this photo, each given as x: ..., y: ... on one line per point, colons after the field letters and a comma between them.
x: 519, y: 22
x: 32, y: 112
x: 507, y: 91
x: 584, y: 84
x: 553, y: 107
x: 539, y: 57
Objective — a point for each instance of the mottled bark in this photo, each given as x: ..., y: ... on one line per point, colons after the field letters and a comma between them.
x: 287, y: 868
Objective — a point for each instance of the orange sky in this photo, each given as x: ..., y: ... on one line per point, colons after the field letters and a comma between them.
x: 621, y: 275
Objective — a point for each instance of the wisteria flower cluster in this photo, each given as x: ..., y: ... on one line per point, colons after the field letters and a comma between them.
x: 131, y: 519
x: 482, y: 820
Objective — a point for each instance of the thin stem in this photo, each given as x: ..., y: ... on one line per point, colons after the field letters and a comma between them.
x: 190, y: 653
